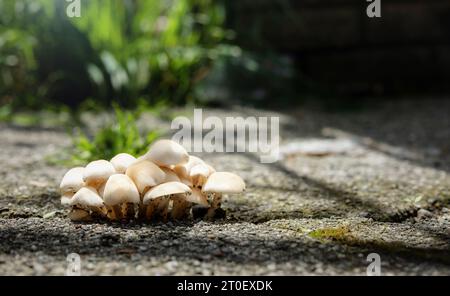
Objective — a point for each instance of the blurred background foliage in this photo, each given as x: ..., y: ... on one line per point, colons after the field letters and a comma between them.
x: 149, y: 55
x: 132, y: 52
x: 125, y: 56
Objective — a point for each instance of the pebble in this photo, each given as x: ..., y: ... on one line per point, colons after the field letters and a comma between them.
x: 423, y: 214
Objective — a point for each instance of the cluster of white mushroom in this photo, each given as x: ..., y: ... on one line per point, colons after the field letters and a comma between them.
x: 164, y: 183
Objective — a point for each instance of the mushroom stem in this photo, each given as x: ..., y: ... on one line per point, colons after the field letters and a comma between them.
x: 117, y: 209
x: 142, y: 211
x: 137, y: 210
x: 187, y: 209
x: 163, y: 208
x: 109, y: 213
x: 154, y: 208
x: 180, y: 207
x: 215, y: 204
x: 129, y: 210
x: 115, y: 212
x: 149, y: 210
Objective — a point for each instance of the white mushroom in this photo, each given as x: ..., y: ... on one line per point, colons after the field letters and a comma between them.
x: 145, y: 174
x: 166, y: 153
x: 97, y: 172
x: 122, y: 161
x: 72, y: 181
x: 219, y: 183
x: 88, y: 199
x: 224, y: 182
x: 156, y: 200
x: 121, y: 191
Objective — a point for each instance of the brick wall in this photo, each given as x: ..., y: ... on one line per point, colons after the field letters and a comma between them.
x: 336, y: 44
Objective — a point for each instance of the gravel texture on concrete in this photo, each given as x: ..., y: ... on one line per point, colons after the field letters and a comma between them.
x: 387, y: 193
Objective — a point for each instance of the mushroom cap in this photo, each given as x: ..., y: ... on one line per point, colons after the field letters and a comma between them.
x: 165, y: 189
x: 145, y: 174
x: 167, y: 153
x: 72, y: 180
x: 87, y: 196
x: 98, y: 171
x: 197, y: 197
x: 224, y: 182
x: 120, y: 189
x: 170, y: 175
x: 66, y: 198
x: 101, y: 190
x: 140, y: 158
x: 122, y: 161
x: 200, y: 170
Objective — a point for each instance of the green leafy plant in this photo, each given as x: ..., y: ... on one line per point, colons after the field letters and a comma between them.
x: 5, y: 113
x: 120, y: 135
x: 159, y: 50
x: 119, y: 51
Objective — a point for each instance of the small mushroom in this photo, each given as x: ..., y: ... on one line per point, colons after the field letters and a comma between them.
x: 121, y: 191
x: 97, y: 172
x: 145, y: 174
x: 72, y: 181
x: 166, y: 153
x: 156, y: 200
x: 219, y: 183
x: 88, y: 199
x: 122, y: 161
